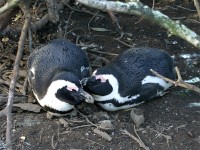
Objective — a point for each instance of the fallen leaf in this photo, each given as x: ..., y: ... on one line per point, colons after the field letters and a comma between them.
x: 105, y: 124
x: 100, y: 29
x: 103, y: 134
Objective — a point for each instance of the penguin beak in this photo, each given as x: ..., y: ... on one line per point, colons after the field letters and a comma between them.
x: 88, y: 98
x: 90, y: 81
x: 84, y: 81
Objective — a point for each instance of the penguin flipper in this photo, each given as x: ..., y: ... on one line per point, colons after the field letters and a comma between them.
x: 149, y: 91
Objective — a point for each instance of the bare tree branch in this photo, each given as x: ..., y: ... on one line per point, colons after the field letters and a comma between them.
x: 179, y: 81
x: 24, y: 5
x: 10, y: 4
x: 137, y: 8
x: 196, y: 4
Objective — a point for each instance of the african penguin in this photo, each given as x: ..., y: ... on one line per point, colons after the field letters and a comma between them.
x: 55, y: 71
x: 127, y: 81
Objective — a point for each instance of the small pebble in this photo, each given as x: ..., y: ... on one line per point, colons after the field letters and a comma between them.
x: 137, y: 116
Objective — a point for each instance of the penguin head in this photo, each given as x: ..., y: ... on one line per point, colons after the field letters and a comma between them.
x: 100, y: 84
x: 67, y: 88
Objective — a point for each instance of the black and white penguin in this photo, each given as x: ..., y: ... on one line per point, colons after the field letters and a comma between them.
x: 127, y: 81
x: 55, y: 71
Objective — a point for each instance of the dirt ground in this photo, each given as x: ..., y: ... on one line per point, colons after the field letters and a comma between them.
x: 170, y: 122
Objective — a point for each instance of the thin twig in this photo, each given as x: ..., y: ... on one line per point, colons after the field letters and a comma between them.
x: 135, y: 139
x: 82, y: 126
x: 41, y: 132
x: 114, y: 19
x: 24, y: 87
x: 87, y: 119
x: 167, y: 137
x: 96, y: 125
x: 30, y: 40
x: 137, y: 135
x: 92, y: 19
x: 192, y: 10
x: 153, y: 5
x: 130, y: 46
x: 102, y: 134
x: 52, y: 142
x: 179, y: 81
x: 67, y: 23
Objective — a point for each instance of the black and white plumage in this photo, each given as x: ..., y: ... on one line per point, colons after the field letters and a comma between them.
x: 127, y: 81
x: 55, y: 71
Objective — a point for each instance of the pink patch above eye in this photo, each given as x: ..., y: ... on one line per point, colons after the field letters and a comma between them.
x: 101, y: 78
x: 72, y: 87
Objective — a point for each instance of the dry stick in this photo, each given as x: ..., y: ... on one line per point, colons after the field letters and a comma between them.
x: 82, y: 126
x: 67, y: 24
x: 137, y: 135
x: 167, y: 137
x: 138, y: 8
x: 153, y: 4
x: 52, y: 10
x: 30, y: 40
x: 9, y: 5
x: 196, y: 4
x: 92, y: 19
x: 96, y: 125
x: 8, y: 109
x: 124, y: 43
x: 52, y: 142
x: 179, y: 81
x: 114, y: 19
x: 136, y: 139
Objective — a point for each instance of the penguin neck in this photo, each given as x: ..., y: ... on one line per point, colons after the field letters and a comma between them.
x: 50, y: 100
x: 66, y: 76
x: 115, y: 94
x: 115, y: 87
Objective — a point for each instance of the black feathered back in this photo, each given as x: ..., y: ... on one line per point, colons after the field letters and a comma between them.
x: 133, y: 65
x: 58, y: 55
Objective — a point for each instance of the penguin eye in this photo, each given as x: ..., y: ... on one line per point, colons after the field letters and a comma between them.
x: 101, y: 78
x: 71, y: 88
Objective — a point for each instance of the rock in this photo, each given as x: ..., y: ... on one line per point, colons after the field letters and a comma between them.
x: 137, y: 116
